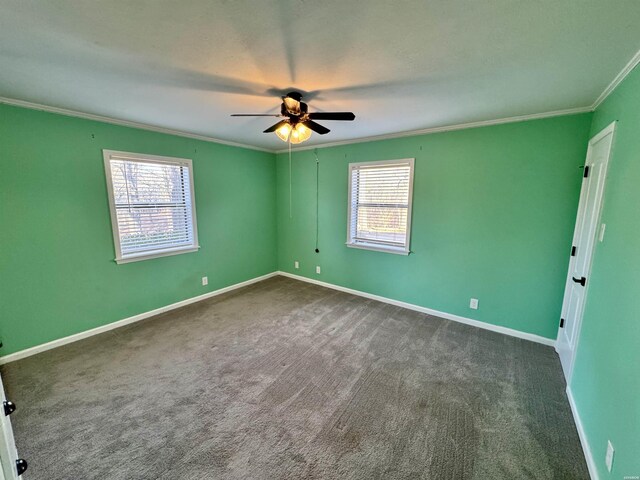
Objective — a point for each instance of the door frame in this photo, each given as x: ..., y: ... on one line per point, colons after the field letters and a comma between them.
x: 8, y: 451
x: 609, y: 129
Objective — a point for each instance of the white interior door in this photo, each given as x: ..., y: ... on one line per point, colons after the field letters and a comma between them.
x: 8, y: 451
x: 584, y: 238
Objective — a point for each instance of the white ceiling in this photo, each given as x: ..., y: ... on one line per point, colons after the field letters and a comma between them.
x: 399, y: 65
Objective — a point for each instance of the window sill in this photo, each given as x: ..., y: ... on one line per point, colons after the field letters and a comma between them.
x: 163, y: 253
x: 379, y: 248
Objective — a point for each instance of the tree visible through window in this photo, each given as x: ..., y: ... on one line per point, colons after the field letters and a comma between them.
x: 151, y: 201
x: 380, y: 205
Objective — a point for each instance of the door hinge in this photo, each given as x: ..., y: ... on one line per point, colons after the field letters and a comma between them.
x: 9, y: 407
x: 586, y: 171
x: 562, y: 323
x: 21, y: 466
x: 573, y: 251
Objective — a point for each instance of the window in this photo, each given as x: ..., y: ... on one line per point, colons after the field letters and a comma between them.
x: 152, y: 206
x: 380, y: 205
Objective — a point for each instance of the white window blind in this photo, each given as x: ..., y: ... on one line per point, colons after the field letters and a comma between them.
x: 380, y: 197
x: 152, y: 205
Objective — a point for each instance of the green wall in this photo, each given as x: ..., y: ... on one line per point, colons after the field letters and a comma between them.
x: 57, y: 273
x: 493, y: 216
x: 606, y: 377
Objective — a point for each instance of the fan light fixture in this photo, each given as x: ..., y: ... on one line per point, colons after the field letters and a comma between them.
x: 294, y: 134
x: 283, y: 132
x: 298, y: 123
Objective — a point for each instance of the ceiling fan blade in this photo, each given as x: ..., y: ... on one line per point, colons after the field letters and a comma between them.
x: 316, y: 127
x: 332, y: 116
x: 256, y: 115
x: 273, y: 128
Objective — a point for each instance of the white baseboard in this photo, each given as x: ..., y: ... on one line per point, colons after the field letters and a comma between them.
x: 12, y: 357
x: 141, y: 316
x: 449, y: 316
x: 591, y: 464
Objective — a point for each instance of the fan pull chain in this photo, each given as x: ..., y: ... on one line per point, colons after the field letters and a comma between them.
x: 290, y: 194
x: 315, y: 151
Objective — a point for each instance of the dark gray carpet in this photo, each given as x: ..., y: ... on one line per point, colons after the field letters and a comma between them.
x: 287, y: 380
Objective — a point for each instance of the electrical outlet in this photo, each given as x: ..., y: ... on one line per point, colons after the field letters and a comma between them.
x: 473, y: 303
x: 296, y: 264
x: 318, y: 269
x: 205, y: 281
x: 608, y: 460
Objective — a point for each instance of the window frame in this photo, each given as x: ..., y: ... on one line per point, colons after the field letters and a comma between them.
x: 380, y: 247
x: 108, y: 155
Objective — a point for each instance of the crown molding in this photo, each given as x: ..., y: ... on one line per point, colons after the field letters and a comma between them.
x: 628, y: 68
x: 125, y: 123
x: 633, y: 63
x: 635, y: 60
x: 447, y: 128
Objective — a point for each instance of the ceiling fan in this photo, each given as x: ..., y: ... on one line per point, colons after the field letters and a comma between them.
x: 298, y: 122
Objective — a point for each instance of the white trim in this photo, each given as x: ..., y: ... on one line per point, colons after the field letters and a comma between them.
x: 12, y: 357
x: 449, y: 316
x: 124, y: 123
x: 156, y: 254
x: 372, y: 245
x: 591, y: 464
x: 633, y: 63
x: 8, y: 452
x: 562, y: 346
x: 109, y: 155
x: 448, y: 128
x: 204, y: 138
x: 378, y: 248
x: 611, y: 128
